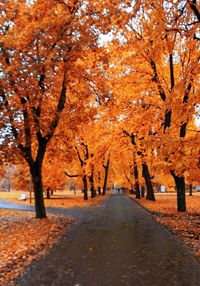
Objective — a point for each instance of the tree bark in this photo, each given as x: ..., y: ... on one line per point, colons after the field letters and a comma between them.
x: 36, y: 173
x: 85, y: 187
x: 106, y: 167
x: 190, y: 189
x: 180, y: 188
x: 48, y: 193
x: 92, y: 189
x: 145, y: 173
x: 142, y: 191
x: 137, y: 187
x: 99, y: 190
x: 99, y: 187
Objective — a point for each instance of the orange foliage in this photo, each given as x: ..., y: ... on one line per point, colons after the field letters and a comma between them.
x: 55, y: 58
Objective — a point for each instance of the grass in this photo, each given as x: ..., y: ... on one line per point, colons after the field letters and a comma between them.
x: 60, y: 199
x: 9, y: 195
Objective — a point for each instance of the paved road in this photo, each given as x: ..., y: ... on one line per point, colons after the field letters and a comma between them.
x: 115, y: 244
x: 7, y: 205
x: 77, y: 213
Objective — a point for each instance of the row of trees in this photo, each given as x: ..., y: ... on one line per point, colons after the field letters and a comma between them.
x: 74, y: 104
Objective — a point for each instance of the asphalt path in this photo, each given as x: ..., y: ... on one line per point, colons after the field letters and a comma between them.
x: 116, y: 243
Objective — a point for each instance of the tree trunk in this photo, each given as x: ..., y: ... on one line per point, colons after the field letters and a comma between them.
x: 99, y: 190
x: 106, y: 177
x: 145, y: 173
x: 190, y: 189
x: 180, y: 188
x: 137, y: 187
x: 85, y: 188
x: 142, y: 191
x: 48, y: 193
x: 92, y: 189
x: 99, y: 179
x: 36, y: 174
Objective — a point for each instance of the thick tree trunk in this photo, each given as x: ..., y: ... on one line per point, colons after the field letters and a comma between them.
x: 180, y: 188
x: 150, y: 192
x: 106, y: 177
x: 85, y: 187
x: 36, y: 174
x: 137, y: 187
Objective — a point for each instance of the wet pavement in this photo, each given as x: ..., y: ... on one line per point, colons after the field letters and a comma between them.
x: 116, y: 243
x: 7, y: 205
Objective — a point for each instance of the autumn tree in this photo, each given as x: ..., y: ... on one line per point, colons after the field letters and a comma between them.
x: 40, y: 45
x: 177, y: 88
x: 159, y: 72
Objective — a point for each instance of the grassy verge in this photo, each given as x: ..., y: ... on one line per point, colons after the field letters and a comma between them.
x: 63, y: 199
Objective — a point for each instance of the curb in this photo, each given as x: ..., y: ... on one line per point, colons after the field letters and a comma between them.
x: 139, y: 204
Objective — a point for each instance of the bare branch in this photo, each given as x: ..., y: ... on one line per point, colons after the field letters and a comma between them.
x: 70, y: 176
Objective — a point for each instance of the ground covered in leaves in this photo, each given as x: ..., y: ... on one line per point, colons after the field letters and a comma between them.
x: 24, y: 239
x: 60, y: 199
x: 186, y: 225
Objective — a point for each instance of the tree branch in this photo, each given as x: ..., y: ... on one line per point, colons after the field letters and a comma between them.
x: 156, y: 80
x: 79, y: 156
x: 59, y: 109
x: 194, y: 8
x: 71, y: 176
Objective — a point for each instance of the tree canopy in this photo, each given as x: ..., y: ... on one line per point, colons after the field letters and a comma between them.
x: 104, y: 92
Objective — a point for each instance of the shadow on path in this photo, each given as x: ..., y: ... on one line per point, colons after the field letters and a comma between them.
x: 78, y: 213
x: 114, y: 244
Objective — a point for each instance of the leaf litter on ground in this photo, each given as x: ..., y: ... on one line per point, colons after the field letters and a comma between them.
x: 185, y: 225
x: 23, y: 239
